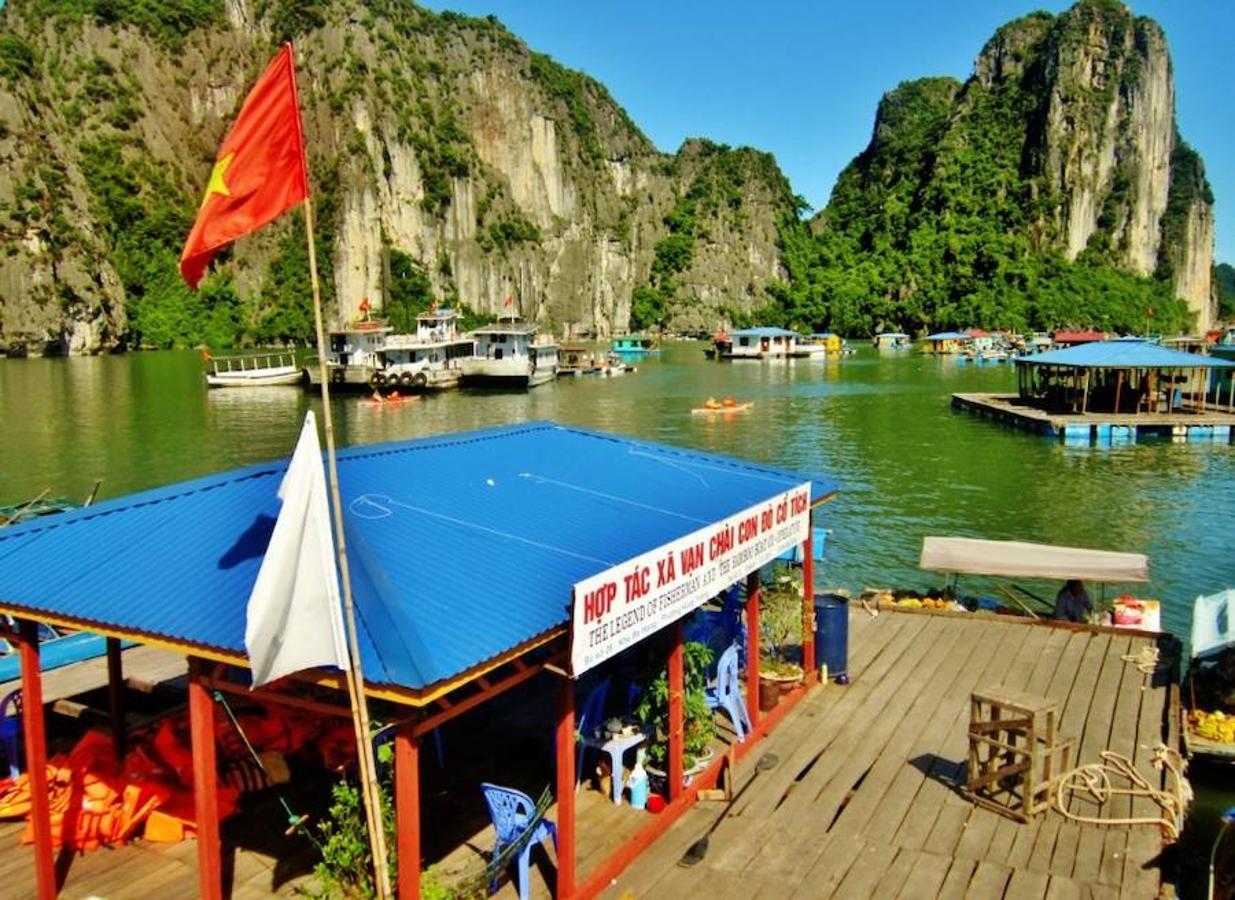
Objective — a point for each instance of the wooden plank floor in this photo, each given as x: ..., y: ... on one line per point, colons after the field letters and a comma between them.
x: 863, y: 801
x: 142, y: 664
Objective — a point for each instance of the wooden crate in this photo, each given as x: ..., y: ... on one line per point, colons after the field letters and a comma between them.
x: 1015, y: 752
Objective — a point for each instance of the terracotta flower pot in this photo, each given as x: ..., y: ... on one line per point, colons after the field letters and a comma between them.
x: 769, y: 694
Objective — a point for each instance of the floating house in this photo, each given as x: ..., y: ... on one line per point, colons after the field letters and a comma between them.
x: 947, y: 343
x: 551, y: 524
x: 1073, y: 338
x: 1140, y: 388
x: 892, y: 340
x: 635, y: 345
x: 760, y: 343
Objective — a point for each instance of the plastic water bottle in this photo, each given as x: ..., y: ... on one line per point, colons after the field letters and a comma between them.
x: 639, y: 783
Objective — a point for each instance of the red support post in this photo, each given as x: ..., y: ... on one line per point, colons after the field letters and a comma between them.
x: 752, y: 647
x: 565, y: 741
x: 407, y: 810
x: 205, y: 784
x: 677, y: 677
x: 115, y: 695
x: 36, y: 759
x: 809, y: 663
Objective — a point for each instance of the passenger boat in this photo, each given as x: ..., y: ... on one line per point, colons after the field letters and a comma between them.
x: 817, y: 346
x: 253, y: 370
x: 1209, y: 692
x: 354, y: 356
x: 509, y: 355
x: 430, y: 359
x: 635, y: 344
x: 573, y: 361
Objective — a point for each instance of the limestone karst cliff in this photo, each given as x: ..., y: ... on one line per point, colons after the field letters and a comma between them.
x: 1062, y: 147
x: 496, y: 171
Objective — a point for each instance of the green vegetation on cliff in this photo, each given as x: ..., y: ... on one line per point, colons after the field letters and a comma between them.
x: 1224, y: 286
x: 949, y: 220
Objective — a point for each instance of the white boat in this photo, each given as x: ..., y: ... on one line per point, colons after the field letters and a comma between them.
x: 509, y: 355
x: 760, y: 343
x: 253, y: 370
x: 429, y: 359
x: 354, y: 356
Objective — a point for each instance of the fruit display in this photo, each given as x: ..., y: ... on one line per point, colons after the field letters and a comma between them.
x: 1213, y: 726
x: 913, y: 601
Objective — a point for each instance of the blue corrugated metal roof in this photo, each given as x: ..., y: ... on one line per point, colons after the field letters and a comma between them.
x: 764, y: 331
x: 1126, y: 353
x: 460, y: 546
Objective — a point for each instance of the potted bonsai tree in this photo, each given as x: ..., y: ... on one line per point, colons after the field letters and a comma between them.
x: 699, y: 725
x: 780, y: 634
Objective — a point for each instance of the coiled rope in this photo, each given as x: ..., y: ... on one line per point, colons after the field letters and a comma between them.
x: 1094, y: 782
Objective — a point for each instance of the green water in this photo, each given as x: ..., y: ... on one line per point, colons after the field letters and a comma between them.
x: 880, y: 425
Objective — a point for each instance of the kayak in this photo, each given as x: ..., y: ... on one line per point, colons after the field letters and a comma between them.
x: 734, y: 408
x: 389, y: 401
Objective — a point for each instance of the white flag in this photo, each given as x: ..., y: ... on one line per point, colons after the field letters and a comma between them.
x: 295, y: 620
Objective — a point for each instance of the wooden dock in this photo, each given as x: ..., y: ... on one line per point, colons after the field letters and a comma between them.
x: 862, y: 803
x: 864, y: 800
x: 1213, y: 426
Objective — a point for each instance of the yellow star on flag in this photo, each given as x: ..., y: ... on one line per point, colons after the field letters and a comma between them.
x: 217, y: 185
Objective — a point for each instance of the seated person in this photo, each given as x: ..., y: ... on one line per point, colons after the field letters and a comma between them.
x: 1072, y: 604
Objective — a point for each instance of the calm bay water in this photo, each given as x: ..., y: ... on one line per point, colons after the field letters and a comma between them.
x: 879, y: 424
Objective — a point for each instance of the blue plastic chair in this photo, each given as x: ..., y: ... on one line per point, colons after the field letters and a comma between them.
x: 726, y: 694
x: 590, y: 716
x: 10, y: 730
x: 511, y: 811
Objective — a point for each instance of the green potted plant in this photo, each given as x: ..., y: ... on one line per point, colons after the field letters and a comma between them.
x: 780, y: 634
x: 699, y: 725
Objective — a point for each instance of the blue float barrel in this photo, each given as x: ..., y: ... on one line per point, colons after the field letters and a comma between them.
x: 832, y: 635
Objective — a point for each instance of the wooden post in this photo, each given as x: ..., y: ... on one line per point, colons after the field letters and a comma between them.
x: 565, y: 740
x: 407, y: 810
x: 752, y: 647
x: 1085, y: 394
x: 676, y: 712
x: 1119, y: 383
x: 36, y: 759
x: 115, y: 695
x: 809, y: 664
x: 205, y: 785
x: 355, y: 674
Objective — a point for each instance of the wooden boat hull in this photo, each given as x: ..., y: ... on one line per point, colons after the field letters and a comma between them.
x: 289, y: 375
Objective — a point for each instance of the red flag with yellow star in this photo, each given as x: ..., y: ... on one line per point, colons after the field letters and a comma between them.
x: 260, y: 171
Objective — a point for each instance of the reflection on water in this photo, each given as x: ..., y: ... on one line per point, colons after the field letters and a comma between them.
x: 880, y: 424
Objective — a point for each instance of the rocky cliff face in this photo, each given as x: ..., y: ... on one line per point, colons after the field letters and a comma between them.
x: 498, y: 172
x: 1105, y: 141
x: 1063, y: 141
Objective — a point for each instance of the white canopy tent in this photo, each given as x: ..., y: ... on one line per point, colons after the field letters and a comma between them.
x: 970, y: 556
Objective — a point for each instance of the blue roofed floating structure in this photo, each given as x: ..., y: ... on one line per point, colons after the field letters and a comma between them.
x: 947, y: 343
x: 528, y: 514
x: 1125, y: 375
x: 529, y: 510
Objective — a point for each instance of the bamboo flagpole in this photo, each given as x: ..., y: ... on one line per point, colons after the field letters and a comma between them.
x: 354, y: 674
x: 261, y: 172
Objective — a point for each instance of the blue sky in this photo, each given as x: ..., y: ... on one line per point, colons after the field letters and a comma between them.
x: 802, y: 79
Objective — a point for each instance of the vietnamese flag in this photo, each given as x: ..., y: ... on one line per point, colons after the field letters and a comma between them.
x: 260, y: 171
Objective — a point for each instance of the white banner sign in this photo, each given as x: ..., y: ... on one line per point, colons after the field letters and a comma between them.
x: 619, y: 607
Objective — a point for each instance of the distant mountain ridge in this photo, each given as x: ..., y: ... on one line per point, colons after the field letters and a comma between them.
x: 1052, y: 188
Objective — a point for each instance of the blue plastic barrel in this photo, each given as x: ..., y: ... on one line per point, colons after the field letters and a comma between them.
x: 832, y: 635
